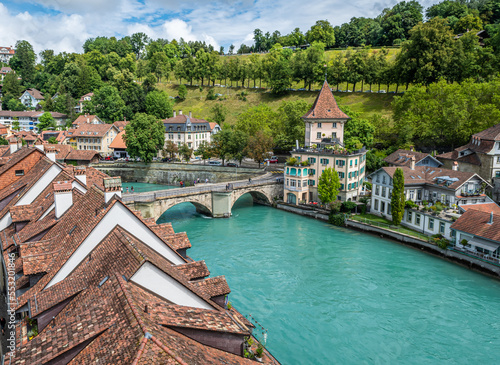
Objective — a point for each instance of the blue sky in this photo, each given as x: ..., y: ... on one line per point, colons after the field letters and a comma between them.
x: 64, y: 25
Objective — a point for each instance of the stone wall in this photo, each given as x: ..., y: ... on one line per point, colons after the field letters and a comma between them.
x: 171, y: 174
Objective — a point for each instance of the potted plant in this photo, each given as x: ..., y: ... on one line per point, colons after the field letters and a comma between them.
x: 259, y: 353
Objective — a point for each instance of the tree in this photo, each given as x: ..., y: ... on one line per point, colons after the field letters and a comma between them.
x: 322, y: 32
x: 53, y: 140
x: 328, y: 185
x: 138, y: 42
x: 46, y: 122
x: 257, y: 118
x: 219, y: 113
x: 185, y: 152
x: 237, y: 142
x: 3, y: 141
x: 15, y: 124
x: 278, y: 69
x: 144, y: 136
x: 182, y: 90
x: 204, y: 150
x: 259, y: 146
x: 397, y: 22
x: 398, y: 196
x: 170, y: 148
x: 24, y: 62
x: 107, y: 104
x: 158, y: 104
x: 220, y: 144
x: 290, y: 126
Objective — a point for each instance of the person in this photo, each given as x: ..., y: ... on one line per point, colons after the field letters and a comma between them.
x: 206, y: 180
x: 198, y: 180
x: 127, y: 189
x: 194, y: 182
x: 249, y: 180
x: 132, y: 189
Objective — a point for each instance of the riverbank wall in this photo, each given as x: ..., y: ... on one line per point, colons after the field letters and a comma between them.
x: 172, y: 173
x: 469, y: 262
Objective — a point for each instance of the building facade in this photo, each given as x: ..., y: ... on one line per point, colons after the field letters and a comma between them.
x: 31, y: 98
x: 6, y: 53
x: 28, y: 120
x: 96, y: 137
x: 183, y: 128
x: 324, y: 149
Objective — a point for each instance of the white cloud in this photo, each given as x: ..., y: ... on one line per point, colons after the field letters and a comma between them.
x: 220, y: 22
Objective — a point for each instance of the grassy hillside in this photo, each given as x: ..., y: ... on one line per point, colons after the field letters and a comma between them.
x: 365, y: 103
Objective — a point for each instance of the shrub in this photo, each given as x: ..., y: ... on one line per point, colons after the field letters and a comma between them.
x: 348, y: 206
x: 292, y: 161
x: 443, y: 243
x: 335, y: 206
x: 425, y: 202
x: 211, y: 94
x: 338, y: 219
x: 464, y: 242
x: 409, y: 204
x: 304, y: 163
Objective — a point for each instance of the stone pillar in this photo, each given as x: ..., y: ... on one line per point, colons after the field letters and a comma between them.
x: 221, y: 204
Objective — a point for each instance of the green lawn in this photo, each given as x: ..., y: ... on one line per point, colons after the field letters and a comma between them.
x: 365, y: 103
x: 387, y: 224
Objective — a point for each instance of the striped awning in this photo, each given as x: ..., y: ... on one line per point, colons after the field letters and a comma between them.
x: 490, y: 246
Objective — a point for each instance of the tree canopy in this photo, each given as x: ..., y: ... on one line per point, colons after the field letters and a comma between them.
x: 144, y: 136
x: 328, y: 186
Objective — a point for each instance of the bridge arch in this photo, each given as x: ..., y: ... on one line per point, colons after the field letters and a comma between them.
x: 201, y: 207
x: 257, y: 196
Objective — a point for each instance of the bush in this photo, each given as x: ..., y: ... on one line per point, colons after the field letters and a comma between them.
x: 338, y: 219
x: 292, y: 161
x: 335, y: 206
x: 348, y: 206
x: 409, y: 204
x: 464, y: 242
x: 425, y: 202
x: 443, y: 243
x: 182, y: 90
x: 304, y: 163
x: 211, y: 94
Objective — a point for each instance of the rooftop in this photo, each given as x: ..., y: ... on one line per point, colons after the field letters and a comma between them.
x: 325, y: 106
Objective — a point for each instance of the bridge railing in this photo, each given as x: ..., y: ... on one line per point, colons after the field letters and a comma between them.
x: 159, y: 194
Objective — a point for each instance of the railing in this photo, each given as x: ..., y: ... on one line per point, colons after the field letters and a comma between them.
x: 476, y: 255
x: 220, y: 187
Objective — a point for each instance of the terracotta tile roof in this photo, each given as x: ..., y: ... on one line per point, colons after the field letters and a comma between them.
x: 487, y: 207
x: 120, y: 124
x: 90, y: 130
x: 194, y: 270
x: 476, y: 222
x: 118, y: 142
x: 22, y: 213
x: 403, y: 157
x: 17, y: 156
x: 82, y: 155
x: 60, y: 136
x: 492, y: 134
x: 38, y: 256
x: 86, y: 118
x: 325, y: 106
x: 82, y: 99
x: 162, y: 229
x: 177, y: 241
x: 431, y: 175
x: 62, y: 150
x: 213, y: 287
x: 472, y: 158
x: 35, y: 93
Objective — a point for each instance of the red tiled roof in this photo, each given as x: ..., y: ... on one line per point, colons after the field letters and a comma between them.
x: 476, y: 222
x: 82, y: 155
x: 90, y: 130
x: 85, y: 119
x: 118, y: 142
x: 403, y: 157
x: 120, y: 124
x: 325, y: 106
x: 194, y: 270
x: 35, y: 93
x: 487, y: 207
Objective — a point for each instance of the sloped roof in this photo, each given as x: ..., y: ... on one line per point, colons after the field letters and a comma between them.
x: 403, y: 157
x: 476, y: 222
x: 90, y: 130
x: 81, y: 155
x: 325, y: 106
x: 118, y: 141
x: 487, y: 207
x: 120, y: 124
x: 35, y: 93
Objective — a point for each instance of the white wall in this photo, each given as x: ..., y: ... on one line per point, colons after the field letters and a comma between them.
x: 152, y: 278
x: 118, y: 215
x: 40, y: 185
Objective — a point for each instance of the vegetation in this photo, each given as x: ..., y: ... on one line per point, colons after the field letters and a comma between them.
x: 328, y: 186
x: 337, y: 219
x: 144, y: 137
x: 398, y: 197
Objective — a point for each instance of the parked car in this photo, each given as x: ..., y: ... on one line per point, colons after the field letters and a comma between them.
x: 166, y: 159
x: 108, y: 158
x: 215, y: 163
x: 272, y: 159
x: 231, y: 164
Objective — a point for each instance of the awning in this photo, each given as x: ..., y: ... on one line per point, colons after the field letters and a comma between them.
x: 490, y: 246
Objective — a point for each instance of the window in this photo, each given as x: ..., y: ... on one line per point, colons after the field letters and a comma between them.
x: 298, y: 183
x: 334, y: 125
x: 417, y: 219
x: 324, y: 161
x: 318, y: 135
x: 287, y: 182
x: 19, y: 172
x: 312, y: 171
x: 334, y: 135
x: 383, y: 191
x: 431, y: 224
x: 341, y: 186
x: 292, y: 182
x: 441, y: 227
x: 350, y: 163
x: 409, y: 216
x: 377, y: 190
x: 383, y: 179
x: 319, y: 125
x: 312, y: 160
x: 311, y: 182
x: 419, y: 194
x: 356, y: 162
x: 412, y: 194
x: 376, y: 204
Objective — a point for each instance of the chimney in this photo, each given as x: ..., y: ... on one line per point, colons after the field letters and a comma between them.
x: 491, y: 218
x: 190, y: 115
x: 175, y: 113
x: 455, y: 166
x: 412, y: 162
x: 51, y: 155
x: 39, y: 144
x: 112, y: 186
x: 13, y: 145
x: 80, y: 174
x: 63, y: 197
x: 180, y: 112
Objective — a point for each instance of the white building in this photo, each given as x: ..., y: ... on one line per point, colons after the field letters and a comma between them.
x: 31, y: 98
x: 182, y: 129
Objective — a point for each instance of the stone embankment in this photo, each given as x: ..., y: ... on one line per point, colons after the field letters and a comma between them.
x: 472, y: 263
x: 172, y: 173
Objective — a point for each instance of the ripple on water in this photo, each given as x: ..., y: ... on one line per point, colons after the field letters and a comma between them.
x: 329, y: 295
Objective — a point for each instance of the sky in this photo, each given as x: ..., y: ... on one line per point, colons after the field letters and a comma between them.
x: 64, y: 25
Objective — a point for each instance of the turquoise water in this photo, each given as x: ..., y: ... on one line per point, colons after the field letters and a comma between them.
x: 144, y: 187
x: 335, y: 296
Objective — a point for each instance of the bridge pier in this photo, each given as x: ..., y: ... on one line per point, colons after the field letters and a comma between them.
x: 221, y: 204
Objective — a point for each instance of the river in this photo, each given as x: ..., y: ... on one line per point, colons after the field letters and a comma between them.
x: 329, y: 295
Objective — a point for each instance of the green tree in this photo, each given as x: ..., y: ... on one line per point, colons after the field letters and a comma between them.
x: 182, y: 92
x: 397, y: 22
x: 328, y: 186
x: 221, y: 144
x: 289, y: 126
x: 258, y: 147
x: 219, y: 113
x: 204, y: 150
x: 322, y: 32
x: 107, y: 104
x: 398, y: 196
x: 3, y: 141
x: 237, y: 143
x: 15, y: 124
x: 255, y: 119
x: 138, y: 42
x: 46, y: 122
x: 23, y: 62
x: 158, y: 104
x: 15, y: 105
x: 144, y: 136
x: 185, y: 152
x: 52, y: 140
x: 278, y: 69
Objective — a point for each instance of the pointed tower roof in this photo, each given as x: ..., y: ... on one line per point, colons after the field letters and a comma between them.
x: 325, y: 106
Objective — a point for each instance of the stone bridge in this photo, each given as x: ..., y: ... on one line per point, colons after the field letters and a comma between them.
x: 213, y: 200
